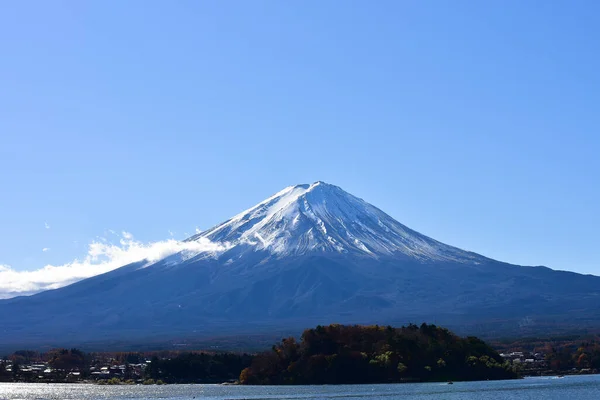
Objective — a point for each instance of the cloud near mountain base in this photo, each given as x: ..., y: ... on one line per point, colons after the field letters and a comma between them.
x: 102, y: 257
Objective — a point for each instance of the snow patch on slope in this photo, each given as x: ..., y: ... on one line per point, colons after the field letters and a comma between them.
x: 320, y: 218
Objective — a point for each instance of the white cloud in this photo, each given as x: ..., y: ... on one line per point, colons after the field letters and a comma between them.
x: 46, y: 225
x: 198, y: 230
x: 171, y: 234
x: 101, y: 257
x: 45, y: 249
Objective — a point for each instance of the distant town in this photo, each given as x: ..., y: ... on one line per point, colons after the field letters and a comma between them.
x: 64, y: 365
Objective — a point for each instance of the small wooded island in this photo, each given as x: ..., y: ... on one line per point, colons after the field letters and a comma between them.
x: 338, y: 354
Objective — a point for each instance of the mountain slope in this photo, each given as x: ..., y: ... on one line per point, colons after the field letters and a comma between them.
x: 322, y: 218
x: 310, y: 254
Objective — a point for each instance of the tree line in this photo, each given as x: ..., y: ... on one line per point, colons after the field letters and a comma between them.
x: 338, y: 354
x: 333, y: 354
x: 561, y: 353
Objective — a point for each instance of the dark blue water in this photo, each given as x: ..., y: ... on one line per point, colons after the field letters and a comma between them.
x: 570, y: 387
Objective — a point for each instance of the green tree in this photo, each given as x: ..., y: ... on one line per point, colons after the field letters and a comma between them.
x: 4, y: 374
x: 16, y: 370
x: 153, y: 370
x: 127, y: 373
x: 401, y: 368
x: 67, y: 360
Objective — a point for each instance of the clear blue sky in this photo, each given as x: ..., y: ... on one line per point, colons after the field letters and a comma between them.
x: 474, y: 122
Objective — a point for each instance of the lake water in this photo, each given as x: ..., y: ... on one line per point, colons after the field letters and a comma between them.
x: 547, y: 388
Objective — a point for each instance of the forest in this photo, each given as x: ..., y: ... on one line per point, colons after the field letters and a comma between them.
x: 334, y: 354
x: 338, y: 354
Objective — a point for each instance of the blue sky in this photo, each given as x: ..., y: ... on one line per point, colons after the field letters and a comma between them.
x: 473, y: 122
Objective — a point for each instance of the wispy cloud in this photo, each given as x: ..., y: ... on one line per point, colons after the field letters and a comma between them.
x: 101, y: 257
x: 45, y: 249
x: 47, y: 225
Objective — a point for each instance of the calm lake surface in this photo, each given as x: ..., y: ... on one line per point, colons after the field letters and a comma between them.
x: 547, y: 388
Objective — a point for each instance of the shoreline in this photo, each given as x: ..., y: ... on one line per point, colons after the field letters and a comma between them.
x: 95, y: 383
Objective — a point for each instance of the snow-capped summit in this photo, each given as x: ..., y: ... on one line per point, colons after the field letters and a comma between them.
x: 321, y: 217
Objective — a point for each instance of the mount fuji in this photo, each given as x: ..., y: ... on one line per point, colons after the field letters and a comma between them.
x: 310, y: 254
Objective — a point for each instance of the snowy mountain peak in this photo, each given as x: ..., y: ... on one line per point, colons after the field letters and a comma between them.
x: 323, y: 218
